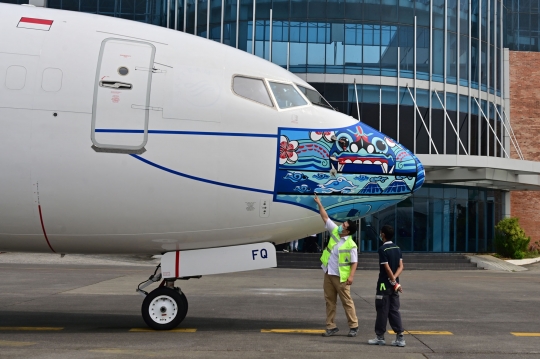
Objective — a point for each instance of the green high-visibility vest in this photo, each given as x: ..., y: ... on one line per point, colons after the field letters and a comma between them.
x: 344, y: 254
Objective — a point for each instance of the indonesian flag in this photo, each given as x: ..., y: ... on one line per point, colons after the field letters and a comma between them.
x: 35, y: 24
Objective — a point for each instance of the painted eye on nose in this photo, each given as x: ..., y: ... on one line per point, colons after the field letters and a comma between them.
x: 343, y: 143
x: 379, y: 144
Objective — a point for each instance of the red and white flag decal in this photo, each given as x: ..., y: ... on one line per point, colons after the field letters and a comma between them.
x: 36, y: 24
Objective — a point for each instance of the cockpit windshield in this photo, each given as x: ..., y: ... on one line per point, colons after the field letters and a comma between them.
x: 314, y: 97
x: 286, y: 95
x: 253, y: 89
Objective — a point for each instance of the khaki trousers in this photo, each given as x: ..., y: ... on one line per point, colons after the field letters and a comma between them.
x: 333, y: 287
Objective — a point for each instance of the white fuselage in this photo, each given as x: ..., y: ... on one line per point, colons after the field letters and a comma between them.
x: 57, y: 192
x: 111, y: 202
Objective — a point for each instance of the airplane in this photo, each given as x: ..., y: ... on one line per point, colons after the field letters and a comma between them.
x: 121, y: 137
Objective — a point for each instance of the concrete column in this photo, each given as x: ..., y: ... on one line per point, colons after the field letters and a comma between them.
x: 506, y: 92
x: 507, y: 205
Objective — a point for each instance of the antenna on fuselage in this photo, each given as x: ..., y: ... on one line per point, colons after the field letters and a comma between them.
x: 357, y: 106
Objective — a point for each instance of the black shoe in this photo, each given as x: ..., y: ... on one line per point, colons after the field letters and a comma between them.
x: 353, y: 332
x: 330, y: 332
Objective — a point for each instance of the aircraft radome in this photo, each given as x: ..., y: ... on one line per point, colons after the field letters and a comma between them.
x: 122, y: 137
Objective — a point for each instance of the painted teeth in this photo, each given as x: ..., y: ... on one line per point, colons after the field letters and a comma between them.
x: 384, y: 166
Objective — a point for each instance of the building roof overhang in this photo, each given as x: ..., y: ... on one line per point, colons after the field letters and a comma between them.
x: 482, y: 171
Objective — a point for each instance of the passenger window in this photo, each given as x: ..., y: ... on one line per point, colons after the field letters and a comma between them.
x: 286, y: 95
x: 51, y: 80
x: 315, y: 97
x: 252, y: 89
x: 15, y: 77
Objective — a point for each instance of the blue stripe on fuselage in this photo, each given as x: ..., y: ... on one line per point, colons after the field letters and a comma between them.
x: 199, y: 178
x: 195, y: 133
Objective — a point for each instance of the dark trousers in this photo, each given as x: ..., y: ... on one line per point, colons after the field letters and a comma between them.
x: 387, y: 306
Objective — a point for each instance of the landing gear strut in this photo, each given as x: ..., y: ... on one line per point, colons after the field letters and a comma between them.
x: 165, y: 307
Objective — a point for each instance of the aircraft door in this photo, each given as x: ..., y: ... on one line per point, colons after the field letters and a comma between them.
x: 122, y: 95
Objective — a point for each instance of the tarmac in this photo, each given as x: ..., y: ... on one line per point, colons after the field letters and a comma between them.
x: 86, y: 307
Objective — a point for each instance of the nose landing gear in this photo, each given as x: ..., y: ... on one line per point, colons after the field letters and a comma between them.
x: 165, y: 307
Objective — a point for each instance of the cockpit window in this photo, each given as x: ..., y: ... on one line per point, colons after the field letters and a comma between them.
x: 286, y: 95
x: 253, y: 89
x: 314, y: 97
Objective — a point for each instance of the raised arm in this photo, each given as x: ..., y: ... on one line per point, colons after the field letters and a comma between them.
x: 322, y: 211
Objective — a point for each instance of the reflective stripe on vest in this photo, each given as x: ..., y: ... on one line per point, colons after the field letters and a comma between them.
x: 344, y: 258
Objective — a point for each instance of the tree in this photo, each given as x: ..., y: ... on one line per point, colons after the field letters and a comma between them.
x: 510, y: 238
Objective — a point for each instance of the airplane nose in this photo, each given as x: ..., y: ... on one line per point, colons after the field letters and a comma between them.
x: 355, y: 170
x: 406, y: 160
x: 420, y: 175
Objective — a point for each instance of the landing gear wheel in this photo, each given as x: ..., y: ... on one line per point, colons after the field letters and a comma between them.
x: 164, y: 308
x: 184, y: 306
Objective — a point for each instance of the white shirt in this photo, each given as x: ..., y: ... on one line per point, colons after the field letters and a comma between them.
x: 333, y: 261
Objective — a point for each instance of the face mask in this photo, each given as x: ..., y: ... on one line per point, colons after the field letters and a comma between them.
x: 340, y: 228
x: 380, y: 237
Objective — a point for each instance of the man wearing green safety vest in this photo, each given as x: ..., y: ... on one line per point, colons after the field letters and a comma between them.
x: 339, y: 260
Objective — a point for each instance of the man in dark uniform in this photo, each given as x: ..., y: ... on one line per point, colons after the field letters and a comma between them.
x: 388, y: 289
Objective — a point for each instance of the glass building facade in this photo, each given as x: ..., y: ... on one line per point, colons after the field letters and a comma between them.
x: 522, y: 25
x: 448, y: 53
x: 439, y: 218
x: 430, y: 74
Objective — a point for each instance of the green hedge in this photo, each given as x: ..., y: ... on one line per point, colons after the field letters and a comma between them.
x: 510, y: 239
